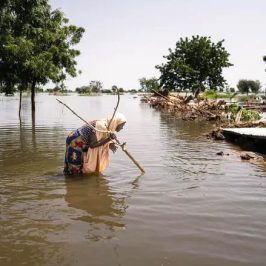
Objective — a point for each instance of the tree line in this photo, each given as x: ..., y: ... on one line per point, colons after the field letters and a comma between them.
x: 96, y: 87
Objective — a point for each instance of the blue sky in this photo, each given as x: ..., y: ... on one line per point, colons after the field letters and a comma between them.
x: 125, y: 39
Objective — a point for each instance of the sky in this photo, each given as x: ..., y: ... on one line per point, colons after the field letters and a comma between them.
x: 125, y: 39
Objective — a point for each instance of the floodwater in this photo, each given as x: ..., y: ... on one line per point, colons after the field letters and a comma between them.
x: 191, y: 207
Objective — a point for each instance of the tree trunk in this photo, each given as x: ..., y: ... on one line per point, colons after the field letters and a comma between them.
x: 20, y: 99
x: 197, y: 92
x: 33, y: 96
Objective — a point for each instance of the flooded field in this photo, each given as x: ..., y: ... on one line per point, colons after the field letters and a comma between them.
x: 191, y: 207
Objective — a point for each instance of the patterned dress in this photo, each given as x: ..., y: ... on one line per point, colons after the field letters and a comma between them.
x: 77, y: 142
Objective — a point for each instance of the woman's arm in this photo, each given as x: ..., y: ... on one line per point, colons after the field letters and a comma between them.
x: 94, y: 143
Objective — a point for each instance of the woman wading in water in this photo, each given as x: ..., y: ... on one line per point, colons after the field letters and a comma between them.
x: 87, y: 148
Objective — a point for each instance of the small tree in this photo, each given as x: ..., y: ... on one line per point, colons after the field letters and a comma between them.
x: 243, y: 86
x: 36, y: 44
x: 255, y: 86
x: 83, y: 89
x: 195, y: 64
x: 96, y: 86
x: 246, y: 86
x: 149, y: 84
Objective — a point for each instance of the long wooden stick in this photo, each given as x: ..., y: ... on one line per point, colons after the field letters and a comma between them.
x: 118, y: 101
x: 133, y: 160
x: 122, y: 146
x: 81, y: 117
x: 124, y: 149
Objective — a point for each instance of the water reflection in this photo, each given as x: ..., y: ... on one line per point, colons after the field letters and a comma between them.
x: 33, y: 130
x: 30, y: 150
x: 94, y: 196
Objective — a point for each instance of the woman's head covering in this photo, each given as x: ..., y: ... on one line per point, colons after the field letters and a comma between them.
x: 117, y: 120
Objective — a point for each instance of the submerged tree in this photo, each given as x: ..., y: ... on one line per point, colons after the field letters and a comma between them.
x: 36, y: 44
x: 195, y: 64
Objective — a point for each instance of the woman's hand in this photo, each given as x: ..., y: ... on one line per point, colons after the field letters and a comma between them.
x: 112, y: 147
x: 112, y: 136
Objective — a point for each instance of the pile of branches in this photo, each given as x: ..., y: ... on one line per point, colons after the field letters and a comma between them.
x: 198, y: 108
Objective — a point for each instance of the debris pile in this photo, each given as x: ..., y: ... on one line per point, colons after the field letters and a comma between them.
x: 198, y: 108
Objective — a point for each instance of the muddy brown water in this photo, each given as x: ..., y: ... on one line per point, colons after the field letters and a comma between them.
x: 191, y: 207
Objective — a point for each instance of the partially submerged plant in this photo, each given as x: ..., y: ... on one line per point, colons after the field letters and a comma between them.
x: 246, y: 115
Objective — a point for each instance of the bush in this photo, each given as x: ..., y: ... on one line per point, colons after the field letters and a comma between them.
x: 212, y: 94
x: 247, y: 115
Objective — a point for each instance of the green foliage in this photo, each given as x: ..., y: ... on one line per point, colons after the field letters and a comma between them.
x: 8, y: 88
x: 213, y: 94
x: 83, y: 90
x: 233, y: 109
x: 148, y: 85
x: 195, y: 64
x: 255, y: 86
x: 247, y: 115
x: 106, y: 91
x: 246, y: 86
x: 96, y: 86
x: 36, y: 44
x: 132, y: 91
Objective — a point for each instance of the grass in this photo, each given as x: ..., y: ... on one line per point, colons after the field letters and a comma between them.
x: 212, y: 94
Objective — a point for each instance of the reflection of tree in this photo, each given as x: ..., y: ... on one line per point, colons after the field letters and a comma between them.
x: 21, y: 134
x: 93, y: 195
x: 29, y: 149
x: 33, y: 130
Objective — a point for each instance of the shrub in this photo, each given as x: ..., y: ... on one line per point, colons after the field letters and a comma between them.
x: 212, y: 94
x: 247, y: 115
